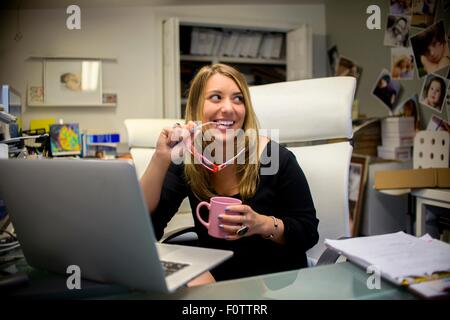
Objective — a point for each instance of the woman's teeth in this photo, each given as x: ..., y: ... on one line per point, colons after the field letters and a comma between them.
x: 224, y: 123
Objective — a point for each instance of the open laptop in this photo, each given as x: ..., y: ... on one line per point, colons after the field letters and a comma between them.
x: 92, y: 214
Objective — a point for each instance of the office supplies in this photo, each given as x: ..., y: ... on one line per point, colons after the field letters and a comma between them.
x: 401, y: 258
x: 92, y: 214
x: 7, y: 118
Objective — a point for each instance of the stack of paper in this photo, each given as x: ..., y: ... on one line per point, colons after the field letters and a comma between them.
x: 397, y: 136
x: 401, y: 258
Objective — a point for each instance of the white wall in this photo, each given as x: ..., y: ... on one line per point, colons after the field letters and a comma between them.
x: 132, y: 35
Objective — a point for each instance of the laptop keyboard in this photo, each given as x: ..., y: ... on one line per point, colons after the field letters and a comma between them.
x: 171, y: 267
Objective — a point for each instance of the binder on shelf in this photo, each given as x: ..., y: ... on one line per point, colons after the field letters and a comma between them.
x: 239, y: 45
x: 232, y: 43
x: 256, y: 42
x: 267, y: 46
x: 103, y: 138
x: 202, y: 41
x: 247, y: 42
x: 226, y: 37
x: 276, y: 48
x: 218, y: 37
x: 194, y: 41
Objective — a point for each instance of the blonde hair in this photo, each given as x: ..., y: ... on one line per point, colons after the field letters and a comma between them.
x: 199, y: 177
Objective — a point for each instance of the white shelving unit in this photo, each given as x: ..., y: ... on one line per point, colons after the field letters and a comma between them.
x: 215, y: 59
x: 294, y: 61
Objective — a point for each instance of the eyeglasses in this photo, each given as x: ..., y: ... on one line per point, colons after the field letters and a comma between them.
x: 205, y: 162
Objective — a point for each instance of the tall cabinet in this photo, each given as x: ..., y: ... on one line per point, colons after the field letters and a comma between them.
x: 264, y: 54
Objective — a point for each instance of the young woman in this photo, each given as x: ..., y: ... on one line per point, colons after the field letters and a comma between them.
x: 277, y: 223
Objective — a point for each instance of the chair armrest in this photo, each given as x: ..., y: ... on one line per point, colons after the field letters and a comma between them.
x: 177, y: 236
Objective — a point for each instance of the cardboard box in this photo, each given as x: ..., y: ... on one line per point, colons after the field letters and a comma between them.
x: 413, y: 178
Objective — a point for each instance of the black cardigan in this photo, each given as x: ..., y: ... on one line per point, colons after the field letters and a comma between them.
x: 284, y: 194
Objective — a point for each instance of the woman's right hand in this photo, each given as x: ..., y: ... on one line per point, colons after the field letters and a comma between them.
x: 168, y: 144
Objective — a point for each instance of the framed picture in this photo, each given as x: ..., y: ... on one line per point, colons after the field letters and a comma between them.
x: 65, y: 139
x: 356, y: 186
x: 35, y: 95
x: 72, y: 82
x: 109, y: 98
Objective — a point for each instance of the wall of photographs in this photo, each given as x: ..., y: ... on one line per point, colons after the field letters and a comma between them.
x: 403, y: 68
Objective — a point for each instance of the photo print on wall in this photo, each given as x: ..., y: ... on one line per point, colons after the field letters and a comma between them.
x: 402, y: 64
x: 387, y: 90
x: 433, y: 92
x: 430, y: 49
x: 397, y: 31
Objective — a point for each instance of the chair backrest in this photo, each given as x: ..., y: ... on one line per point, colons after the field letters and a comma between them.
x: 315, y: 110
x: 142, y: 137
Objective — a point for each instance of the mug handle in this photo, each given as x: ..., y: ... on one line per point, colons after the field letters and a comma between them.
x: 201, y: 204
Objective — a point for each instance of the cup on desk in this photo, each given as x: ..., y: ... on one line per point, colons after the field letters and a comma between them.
x: 216, y: 207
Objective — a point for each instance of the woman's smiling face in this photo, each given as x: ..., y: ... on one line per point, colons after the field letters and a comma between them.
x: 224, y: 104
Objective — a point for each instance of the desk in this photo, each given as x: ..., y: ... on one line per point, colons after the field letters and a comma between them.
x: 338, y: 281
x: 428, y: 197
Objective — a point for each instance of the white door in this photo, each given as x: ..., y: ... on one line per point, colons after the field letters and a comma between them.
x: 171, y: 68
x: 299, y: 54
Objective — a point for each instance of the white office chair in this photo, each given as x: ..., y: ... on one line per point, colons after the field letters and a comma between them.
x: 142, y: 137
x: 312, y: 112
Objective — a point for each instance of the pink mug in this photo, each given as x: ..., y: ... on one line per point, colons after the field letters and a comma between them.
x: 216, y: 207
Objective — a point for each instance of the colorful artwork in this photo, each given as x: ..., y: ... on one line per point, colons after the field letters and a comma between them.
x: 65, y: 139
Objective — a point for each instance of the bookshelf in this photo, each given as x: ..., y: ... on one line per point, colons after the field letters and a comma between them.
x: 264, y: 54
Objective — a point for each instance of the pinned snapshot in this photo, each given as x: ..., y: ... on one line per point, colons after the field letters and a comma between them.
x: 423, y: 12
x: 402, y: 64
x: 437, y: 124
x: 401, y: 7
x: 431, y: 50
x: 397, y: 31
x: 387, y: 90
x: 347, y: 67
x: 409, y: 108
x: 433, y: 92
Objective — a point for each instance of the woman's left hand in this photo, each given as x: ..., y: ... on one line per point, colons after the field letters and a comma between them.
x: 246, y: 223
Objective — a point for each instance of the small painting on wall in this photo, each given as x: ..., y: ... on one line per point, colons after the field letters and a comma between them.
x: 72, y: 82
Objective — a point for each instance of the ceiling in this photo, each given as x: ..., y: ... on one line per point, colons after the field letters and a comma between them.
x: 53, y: 4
